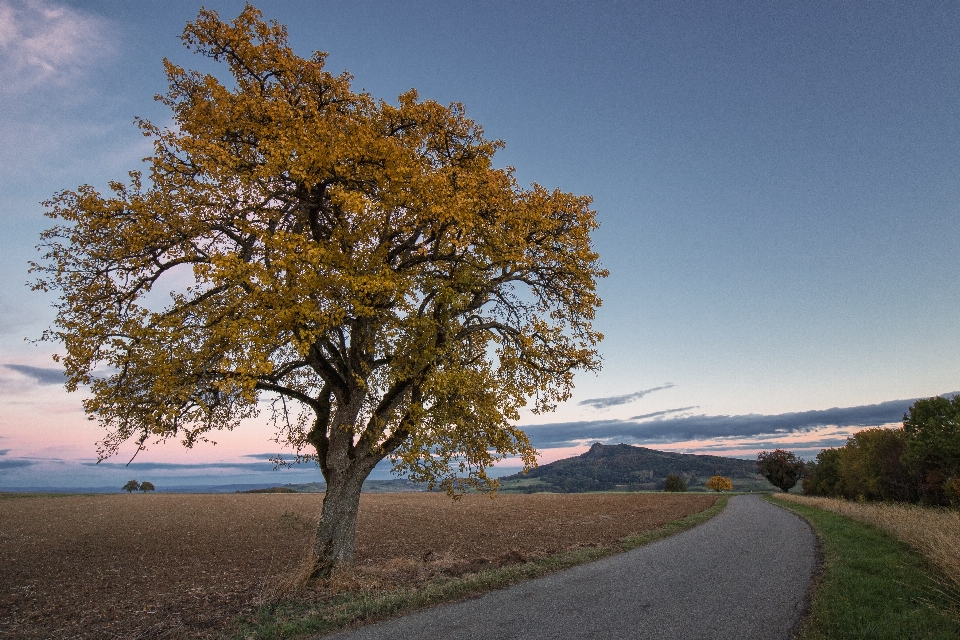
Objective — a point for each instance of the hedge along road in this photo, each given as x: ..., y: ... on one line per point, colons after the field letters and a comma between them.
x: 743, y: 574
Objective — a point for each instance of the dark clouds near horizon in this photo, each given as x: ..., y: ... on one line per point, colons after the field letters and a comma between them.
x: 703, y: 427
x: 16, y: 463
x: 42, y: 375
x: 657, y: 414
x: 613, y: 401
x: 10, y: 463
x: 176, y: 466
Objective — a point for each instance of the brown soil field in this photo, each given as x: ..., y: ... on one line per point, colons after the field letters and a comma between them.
x: 185, y: 566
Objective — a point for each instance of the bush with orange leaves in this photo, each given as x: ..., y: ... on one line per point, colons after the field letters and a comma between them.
x: 719, y: 483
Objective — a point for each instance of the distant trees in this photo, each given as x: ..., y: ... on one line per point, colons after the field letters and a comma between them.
x: 133, y: 485
x: 581, y: 484
x: 932, y: 433
x: 822, y: 477
x: 869, y: 466
x: 674, y: 483
x: 919, y: 462
x: 782, y: 468
x: 719, y: 483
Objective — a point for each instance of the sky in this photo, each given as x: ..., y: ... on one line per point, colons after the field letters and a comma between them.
x: 777, y: 185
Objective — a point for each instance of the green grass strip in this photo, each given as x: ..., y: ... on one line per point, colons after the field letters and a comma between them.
x: 293, y: 619
x: 872, y: 585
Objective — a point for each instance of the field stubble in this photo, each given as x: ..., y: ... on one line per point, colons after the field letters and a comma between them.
x: 185, y: 566
x: 933, y: 532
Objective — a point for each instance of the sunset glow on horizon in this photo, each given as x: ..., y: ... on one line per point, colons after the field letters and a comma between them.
x: 778, y: 193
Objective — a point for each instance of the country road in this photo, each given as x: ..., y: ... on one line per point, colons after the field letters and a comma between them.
x: 741, y: 575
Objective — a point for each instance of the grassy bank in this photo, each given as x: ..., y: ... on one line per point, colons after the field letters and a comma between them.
x: 293, y: 617
x: 873, y: 585
x: 933, y: 532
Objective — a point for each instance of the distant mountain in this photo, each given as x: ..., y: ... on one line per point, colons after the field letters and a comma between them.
x: 630, y: 468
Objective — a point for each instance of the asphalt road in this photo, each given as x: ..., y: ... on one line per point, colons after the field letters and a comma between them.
x: 743, y: 574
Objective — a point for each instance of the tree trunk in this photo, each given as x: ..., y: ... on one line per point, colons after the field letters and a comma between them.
x: 334, y: 544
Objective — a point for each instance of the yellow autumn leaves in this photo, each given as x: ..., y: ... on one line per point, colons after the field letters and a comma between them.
x: 363, y: 262
x: 719, y: 483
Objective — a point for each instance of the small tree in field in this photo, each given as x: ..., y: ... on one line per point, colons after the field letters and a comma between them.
x: 782, y: 468
x: 719, y: 483
x: 131, y: 486
x: 147, y: 486
x: 674, y: 483
x: 365, y: 265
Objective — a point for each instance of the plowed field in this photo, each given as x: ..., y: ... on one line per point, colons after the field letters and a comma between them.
x: 183, y: 566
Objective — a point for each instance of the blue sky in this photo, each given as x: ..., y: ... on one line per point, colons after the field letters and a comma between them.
x: 777, y: 184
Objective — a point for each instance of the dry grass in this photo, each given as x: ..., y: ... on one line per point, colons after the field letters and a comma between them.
x: 933, y: 532
x: 184, y: 566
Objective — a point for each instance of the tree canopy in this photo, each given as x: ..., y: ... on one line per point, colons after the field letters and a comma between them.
x: 932, y: 430
x: 363, y: 264
x: 674, y: 482
x: 919, y: 462
x: 782, y: 468
x: 719, y: 483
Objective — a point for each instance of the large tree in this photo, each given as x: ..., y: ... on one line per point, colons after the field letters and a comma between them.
x: 363, y: 264
x: 781, y: 468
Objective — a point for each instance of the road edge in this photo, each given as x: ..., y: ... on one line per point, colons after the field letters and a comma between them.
x: 292, y: 619
x: 800, y: 628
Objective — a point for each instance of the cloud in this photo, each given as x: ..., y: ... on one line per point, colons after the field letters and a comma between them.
x: 4, y: 452
x: 43, y: 43
x: 612, y: 401
x: 657, y: 414
x: 59, y: 474
x: 708, y: 427
x: 180, y: 466
x: 764, y: 443
x: 16, y: 463
x: 43, y: 375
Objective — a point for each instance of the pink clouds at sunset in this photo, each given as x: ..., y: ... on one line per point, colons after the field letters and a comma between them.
x: 44, y: 429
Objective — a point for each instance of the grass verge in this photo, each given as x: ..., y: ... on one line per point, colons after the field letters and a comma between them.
x: 872, y: 585
x: 293, y: 618
x: 932, y: 531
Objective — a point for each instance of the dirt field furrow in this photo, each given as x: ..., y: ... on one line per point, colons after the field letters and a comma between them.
x: 184, y: 566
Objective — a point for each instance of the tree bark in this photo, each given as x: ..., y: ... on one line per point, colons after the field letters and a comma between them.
x: 345, y: 465
x: 333, y: 547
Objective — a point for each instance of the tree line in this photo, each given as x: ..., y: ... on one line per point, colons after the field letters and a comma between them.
x: 918, y: 462
x: 133, y: 485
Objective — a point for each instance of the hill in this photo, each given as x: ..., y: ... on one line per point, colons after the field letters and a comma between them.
x: 629, y: 468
